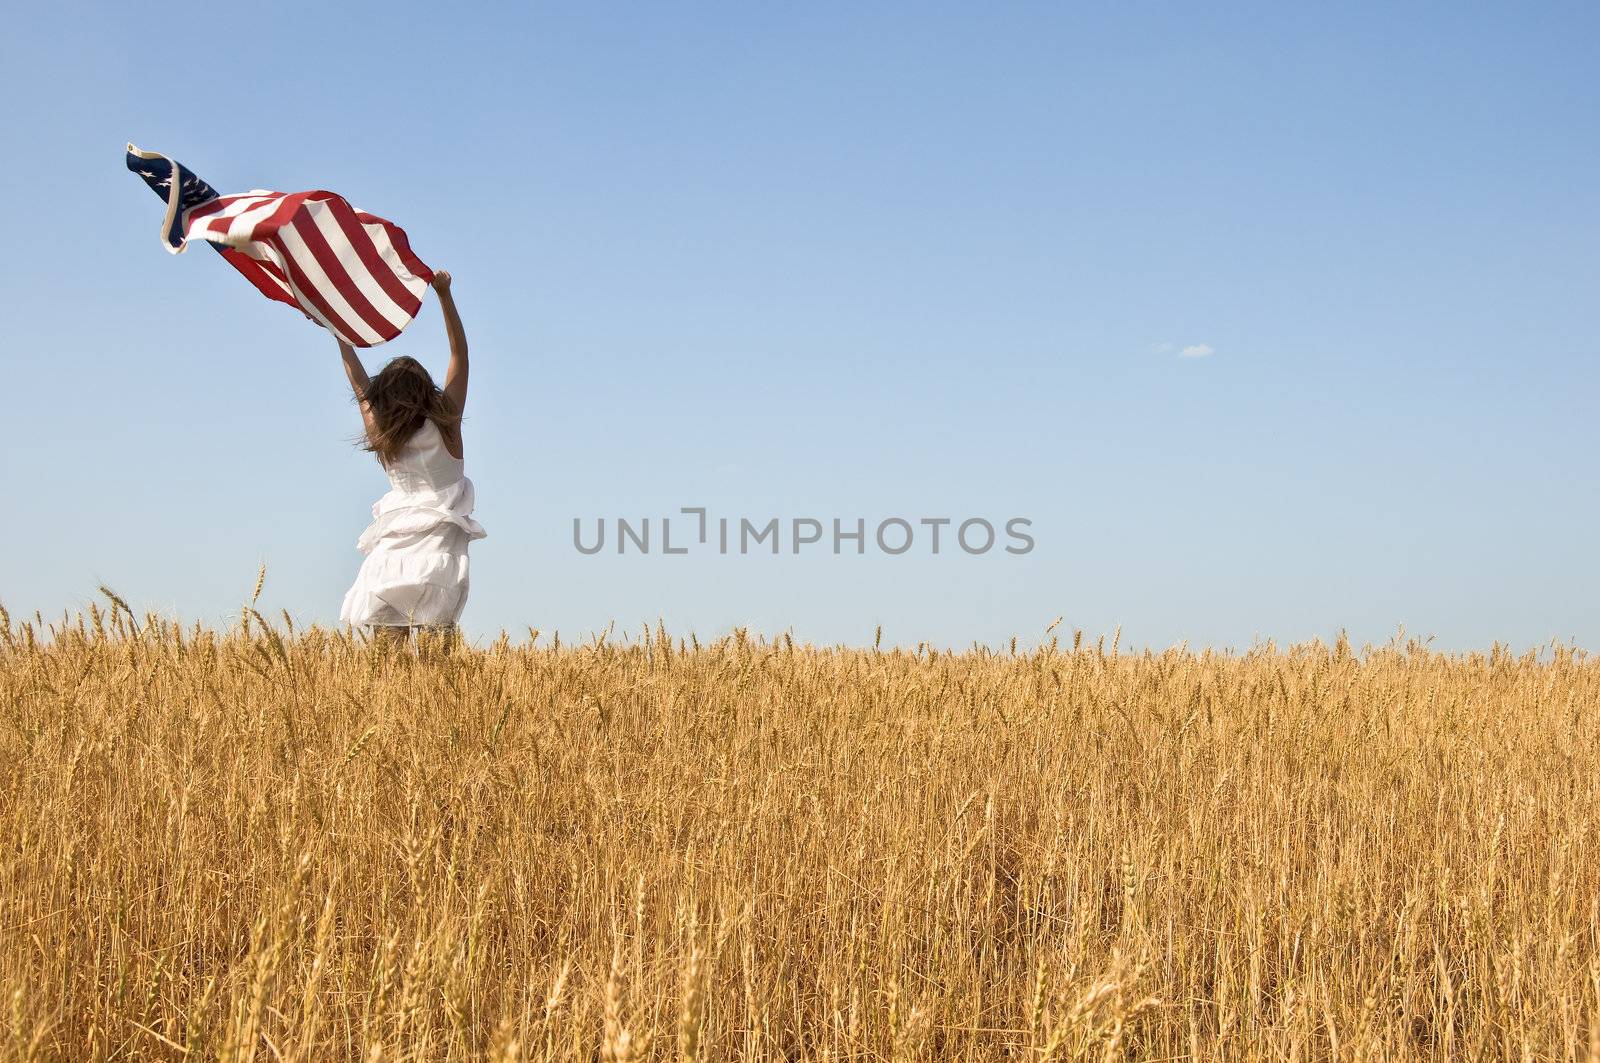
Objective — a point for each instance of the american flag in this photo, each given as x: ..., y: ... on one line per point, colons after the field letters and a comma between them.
x: 349, y: 271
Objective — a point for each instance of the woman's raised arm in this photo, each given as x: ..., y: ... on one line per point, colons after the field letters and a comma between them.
x: 455, y: 377
x: 358, y: 382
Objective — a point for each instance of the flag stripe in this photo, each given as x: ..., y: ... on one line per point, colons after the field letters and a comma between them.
x: 360, y: 239
x: 413, y: 282
x: 353, y: 255
x: 306, y: 305
x: 273, y: 261
x: 230, y: 206
x: 264, y: 227
x: 264, y: 256
x: 258, y: 274
x: 302, y: 262
x: 241, y: 215
x: 309, y: 291
x: 305, y: 226
x: 402, y: 245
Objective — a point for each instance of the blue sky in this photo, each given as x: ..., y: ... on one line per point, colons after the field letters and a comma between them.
x: 842, y: 260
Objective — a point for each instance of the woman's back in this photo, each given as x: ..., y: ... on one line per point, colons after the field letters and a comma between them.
x: 424, y: 464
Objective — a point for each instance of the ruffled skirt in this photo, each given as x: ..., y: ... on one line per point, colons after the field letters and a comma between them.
x: 416, y: 570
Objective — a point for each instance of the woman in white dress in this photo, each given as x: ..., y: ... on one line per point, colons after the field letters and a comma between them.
x: 415, y: 573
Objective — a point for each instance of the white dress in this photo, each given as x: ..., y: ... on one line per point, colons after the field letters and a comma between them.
x: 415, y: 574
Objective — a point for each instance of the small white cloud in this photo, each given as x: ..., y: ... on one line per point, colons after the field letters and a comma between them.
x: 1197, y: 350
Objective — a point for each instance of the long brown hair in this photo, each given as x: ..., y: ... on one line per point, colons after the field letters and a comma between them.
x: 401, y: 397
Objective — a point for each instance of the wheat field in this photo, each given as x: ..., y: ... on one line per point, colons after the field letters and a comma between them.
x: 276, y: 845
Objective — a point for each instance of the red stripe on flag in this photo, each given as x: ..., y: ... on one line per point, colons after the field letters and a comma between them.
x: 202, y: 219
x: 308, y: 293
x: 339, y: 277
x: 259, y: 274
x: 271, y: 269
x: 397, y: 237
x: 381, y: 271
x: 210, y: 206
x: 281, y: 215
x: 206, y: 227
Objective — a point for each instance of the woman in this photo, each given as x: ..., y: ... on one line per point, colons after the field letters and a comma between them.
x: 415, y: 573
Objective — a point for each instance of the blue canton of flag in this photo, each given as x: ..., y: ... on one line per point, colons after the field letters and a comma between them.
x: 182, y: 196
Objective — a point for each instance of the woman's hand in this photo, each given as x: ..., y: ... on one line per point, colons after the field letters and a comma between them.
x: 441, y: 282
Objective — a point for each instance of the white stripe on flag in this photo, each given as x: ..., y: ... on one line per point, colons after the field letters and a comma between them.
x: 266, y: 252
x: 220, y: 223
x: 391, y: 258
x: 242, y: 229
x: 270, y: 259
x: 322, y: 215
x: 312, y: 269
